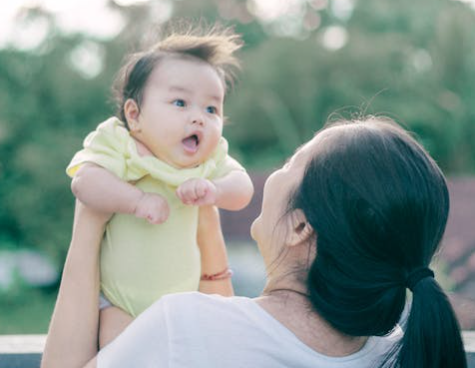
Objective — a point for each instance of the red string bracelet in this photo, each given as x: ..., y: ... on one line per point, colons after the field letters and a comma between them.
x: 223, y: 275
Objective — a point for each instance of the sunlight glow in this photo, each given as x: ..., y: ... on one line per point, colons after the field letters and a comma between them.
x: 271, y: 10
x: 422, y: 60
x: 342, y: 9
x: 29, y: 33
x: 469, y: 2
x: 101, y: 22
x: 335, y: 38
x: 88, y: 59
x: 92, y: 17
x: 161, y: 11
x: 8, y: 10
x: 130, y: 2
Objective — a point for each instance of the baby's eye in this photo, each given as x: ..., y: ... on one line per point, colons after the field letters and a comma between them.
x: 211, y: 110
x: 178, y: 102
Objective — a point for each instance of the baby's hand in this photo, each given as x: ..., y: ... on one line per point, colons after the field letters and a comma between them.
x: 152, y: 207
x: 198, y: 192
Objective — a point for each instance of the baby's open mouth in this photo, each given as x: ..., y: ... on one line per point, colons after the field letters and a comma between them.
x: 191, y: 143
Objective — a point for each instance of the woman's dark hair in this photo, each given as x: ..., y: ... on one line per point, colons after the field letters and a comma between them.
x: 379, y: 205
x: 215, y: 46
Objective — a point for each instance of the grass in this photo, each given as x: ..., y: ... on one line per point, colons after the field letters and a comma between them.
x: 26, y: 313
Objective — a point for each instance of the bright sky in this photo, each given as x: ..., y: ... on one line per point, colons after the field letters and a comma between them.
x: 87, y: 16
x: 96, y: 18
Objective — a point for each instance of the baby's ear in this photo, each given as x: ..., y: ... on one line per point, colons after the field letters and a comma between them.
x: 301, y: 229
x: 132, y: 112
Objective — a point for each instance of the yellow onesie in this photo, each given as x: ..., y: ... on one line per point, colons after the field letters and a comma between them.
x: 140, y: 262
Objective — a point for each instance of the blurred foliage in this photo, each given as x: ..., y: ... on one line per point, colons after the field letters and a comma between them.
x: 413, y: 61
x: 28, y: 313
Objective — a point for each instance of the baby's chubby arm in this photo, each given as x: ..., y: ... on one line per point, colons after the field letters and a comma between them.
x: 232, y: 192
x: 103, y: 191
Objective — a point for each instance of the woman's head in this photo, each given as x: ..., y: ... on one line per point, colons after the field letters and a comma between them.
x: 370, y: 205
x: 378, y: 204
x: 368, y: 185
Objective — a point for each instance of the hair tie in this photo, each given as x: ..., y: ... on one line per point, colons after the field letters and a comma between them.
x: 417, y: 275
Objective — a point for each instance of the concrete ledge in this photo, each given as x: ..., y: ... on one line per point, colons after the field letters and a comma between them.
x: 469, y: 342
x: 21, y: 351
x: 24, y: 351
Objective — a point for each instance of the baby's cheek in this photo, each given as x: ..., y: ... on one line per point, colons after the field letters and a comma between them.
x: 212, y: 143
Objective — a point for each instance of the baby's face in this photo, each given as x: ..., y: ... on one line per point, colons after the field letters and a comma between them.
x: 181, y: 117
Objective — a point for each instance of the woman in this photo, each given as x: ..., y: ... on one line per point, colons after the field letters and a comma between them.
x: 347, y: 225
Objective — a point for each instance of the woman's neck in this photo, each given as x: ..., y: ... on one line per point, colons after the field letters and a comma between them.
x: 289, y: 305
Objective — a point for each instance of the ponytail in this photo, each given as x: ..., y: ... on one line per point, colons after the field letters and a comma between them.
x: 432, y: 337
x: 379, y: 206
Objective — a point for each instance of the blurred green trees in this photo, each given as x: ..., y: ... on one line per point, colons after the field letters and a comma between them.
x: 414, y: 61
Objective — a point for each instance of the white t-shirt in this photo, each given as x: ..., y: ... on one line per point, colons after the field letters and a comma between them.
x: 197, y: 330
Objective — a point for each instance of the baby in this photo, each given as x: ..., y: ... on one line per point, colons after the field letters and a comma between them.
x: 156, y: 164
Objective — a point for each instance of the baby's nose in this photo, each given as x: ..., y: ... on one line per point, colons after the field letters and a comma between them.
x: 198, y: 118
x: 198, y: 121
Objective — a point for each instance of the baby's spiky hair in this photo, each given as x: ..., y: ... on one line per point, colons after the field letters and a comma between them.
x: 214, y: 45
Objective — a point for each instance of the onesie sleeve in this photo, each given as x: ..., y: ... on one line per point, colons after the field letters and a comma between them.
x: 225, y: 166
x: 106, y: 147
x: 224, y: 163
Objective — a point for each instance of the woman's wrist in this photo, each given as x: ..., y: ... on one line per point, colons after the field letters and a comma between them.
x: 87, y: 223
x: 227, y: 273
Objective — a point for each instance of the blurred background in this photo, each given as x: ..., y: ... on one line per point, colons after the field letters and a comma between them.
x: 305, y: 62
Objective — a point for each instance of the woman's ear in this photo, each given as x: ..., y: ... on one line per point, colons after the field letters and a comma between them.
x: 301, y: 230
x: 132, y: 112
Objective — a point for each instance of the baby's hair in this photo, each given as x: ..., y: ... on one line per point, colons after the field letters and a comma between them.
x: 214, y: 45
